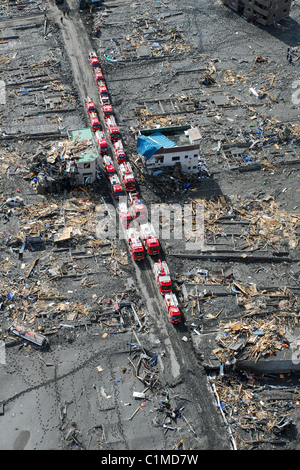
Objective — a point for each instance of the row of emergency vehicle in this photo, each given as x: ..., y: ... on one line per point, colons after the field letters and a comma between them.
x: 141, y: 236
x: 145, y: 239
x: 124, y: 174
x: 163, y: 279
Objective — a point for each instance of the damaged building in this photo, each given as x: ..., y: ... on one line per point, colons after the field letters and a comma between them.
x: 66, y: 163
x: 265, y: 12
x: 87, y: 162
x: 169, y: 147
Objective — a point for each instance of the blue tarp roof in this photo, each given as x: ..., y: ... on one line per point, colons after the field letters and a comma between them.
x: 148, y: 145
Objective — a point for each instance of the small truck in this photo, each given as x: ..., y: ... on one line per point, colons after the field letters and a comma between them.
x: 107, y: 110
x: 94, y: 59
x: 98, y: 74
x: 103, y: 93
x: 89, y: 104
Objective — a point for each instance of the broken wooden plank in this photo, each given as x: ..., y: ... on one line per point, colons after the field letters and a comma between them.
x: 31, y: 267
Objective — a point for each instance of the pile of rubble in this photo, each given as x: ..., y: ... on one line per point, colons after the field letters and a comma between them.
x: 149, y: 37
x: 242, y: 229
x: 253, y: 337
x: 259, y: 412
x: 264, y: 223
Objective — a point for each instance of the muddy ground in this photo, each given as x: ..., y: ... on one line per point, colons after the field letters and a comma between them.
x: 78, y: 393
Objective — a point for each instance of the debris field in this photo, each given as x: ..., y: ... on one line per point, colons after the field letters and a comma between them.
x: 90, y: 358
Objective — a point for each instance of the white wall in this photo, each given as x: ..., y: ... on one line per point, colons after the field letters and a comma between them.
x: 82, y: 171
x: 187, y: 158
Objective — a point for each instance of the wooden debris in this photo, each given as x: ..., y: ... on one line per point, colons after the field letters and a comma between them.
x: 34, y: 262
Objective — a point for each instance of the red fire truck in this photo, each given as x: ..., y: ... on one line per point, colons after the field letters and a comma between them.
x: 172, y: 307
x: 112, y: 128
x: 98, y: 74
x: 149, y: 239
x: 103, y: 93
x: 95, y: 124
x: 89, y: 104
x: 127, y: 177
x: 94, y: 59
x: 119, y: 151
x: 108, y: 166
x: 107, y: 110
x: 101, y: 142
x: 135, y: 244
x: 137, y: 209
x: 162, y: 276
x: 116, y: 186
x: 124, y: 214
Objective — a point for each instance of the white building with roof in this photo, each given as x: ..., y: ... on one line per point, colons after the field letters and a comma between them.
x: 167, y: 147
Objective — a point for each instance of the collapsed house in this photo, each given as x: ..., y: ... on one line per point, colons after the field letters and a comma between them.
x: 67, y: 163
x: 265, y: 12
x: 170, y: 147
